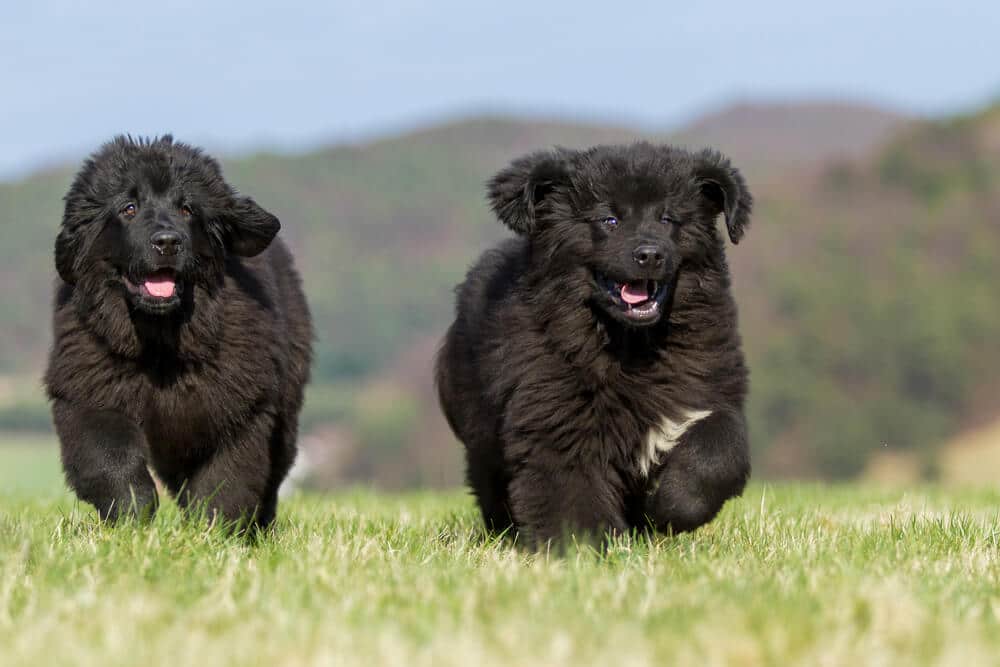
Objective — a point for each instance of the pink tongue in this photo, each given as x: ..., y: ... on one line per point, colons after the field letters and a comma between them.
x: 636, y: 292
x: 161, y: 286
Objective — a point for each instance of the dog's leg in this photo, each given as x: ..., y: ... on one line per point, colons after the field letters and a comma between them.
x: 556, y: 500
x: 710, y: 465
x: 488, y: 482
x: 238, y: 483
x: 104, y: 461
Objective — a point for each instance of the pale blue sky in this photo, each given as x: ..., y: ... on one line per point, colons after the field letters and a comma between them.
x: 240, y: 75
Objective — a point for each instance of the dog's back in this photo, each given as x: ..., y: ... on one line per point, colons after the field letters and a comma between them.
x: 470, y: 351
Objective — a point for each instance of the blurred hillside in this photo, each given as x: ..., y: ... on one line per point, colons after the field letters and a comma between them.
x: 867, y: 283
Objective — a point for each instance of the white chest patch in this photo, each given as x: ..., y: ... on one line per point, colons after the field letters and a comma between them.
x: 665, y: 436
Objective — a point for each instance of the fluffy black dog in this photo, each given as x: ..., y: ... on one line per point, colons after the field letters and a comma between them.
x: 594, y: 370
x: 182, y: 337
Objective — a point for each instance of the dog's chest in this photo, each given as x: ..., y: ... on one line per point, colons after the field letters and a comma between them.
x: 639, y: 427
x: 189, y: 413
x: 180, y: 417
x: 663, y: 436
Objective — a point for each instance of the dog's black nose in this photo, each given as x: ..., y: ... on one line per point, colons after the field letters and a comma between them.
x: 166, y: 243
x: 648, y: 255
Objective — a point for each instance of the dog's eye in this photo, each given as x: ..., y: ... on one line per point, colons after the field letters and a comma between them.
x: 186, y: 211
x: 610, y: 221
x: 128, y: 211
x: 667, y: 220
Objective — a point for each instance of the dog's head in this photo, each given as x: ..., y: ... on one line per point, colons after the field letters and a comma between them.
x: 149, y: 219
x: 622, y: 220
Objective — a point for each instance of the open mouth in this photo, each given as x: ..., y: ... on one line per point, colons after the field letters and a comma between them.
x: 638, y: 300
x: 159, y: 290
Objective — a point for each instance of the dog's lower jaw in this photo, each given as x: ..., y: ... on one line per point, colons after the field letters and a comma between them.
x: 640, y: 314
x: 148, y: 304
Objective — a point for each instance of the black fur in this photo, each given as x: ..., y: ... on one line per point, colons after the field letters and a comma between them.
x: 554, y: 384
x: 204, y: 384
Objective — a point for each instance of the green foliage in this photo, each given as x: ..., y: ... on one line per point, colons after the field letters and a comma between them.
x: 937, y: 158
x: 31, y: 416
x: 884, y: 325
x: 325, y: 403
x: 23, y: 406
x: 385, y: 416
x: 868, y: 300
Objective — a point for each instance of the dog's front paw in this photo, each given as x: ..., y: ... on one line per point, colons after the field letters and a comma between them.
x: 678, y: 505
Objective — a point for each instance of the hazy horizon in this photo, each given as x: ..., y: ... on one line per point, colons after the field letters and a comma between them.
x: 238, y: 77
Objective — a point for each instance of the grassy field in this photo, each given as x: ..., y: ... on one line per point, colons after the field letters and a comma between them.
x: 790, y: 574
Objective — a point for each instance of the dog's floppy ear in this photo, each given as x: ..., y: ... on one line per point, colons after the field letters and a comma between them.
x: 80, y: 211
x: 249, y: 229
x: 67, y: 247
x: 723, y: 186
x: 516, y: 191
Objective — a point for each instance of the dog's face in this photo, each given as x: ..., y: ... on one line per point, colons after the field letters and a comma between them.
x: 147, y: 220
x: 621, y: 221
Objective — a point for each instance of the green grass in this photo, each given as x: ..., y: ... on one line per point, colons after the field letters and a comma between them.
x: 790, y: 574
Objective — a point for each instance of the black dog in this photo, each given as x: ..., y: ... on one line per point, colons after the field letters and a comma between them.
x: 182, y: 337
x: 594, y: 370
